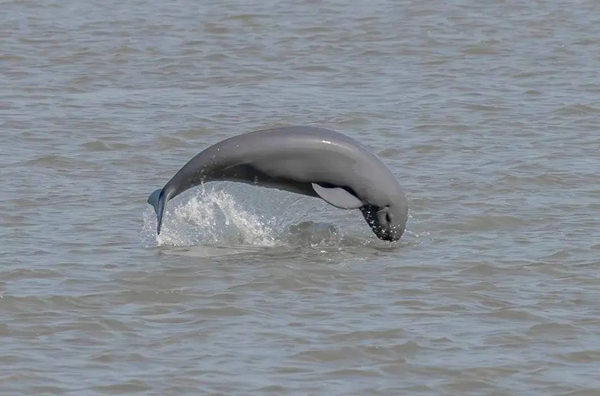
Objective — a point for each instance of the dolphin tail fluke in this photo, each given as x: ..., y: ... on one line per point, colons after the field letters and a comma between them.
x: 158, y: 200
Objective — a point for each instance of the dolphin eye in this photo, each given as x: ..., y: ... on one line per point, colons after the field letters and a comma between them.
x: 388, y: 218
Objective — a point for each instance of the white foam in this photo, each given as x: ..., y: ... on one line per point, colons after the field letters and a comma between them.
x: 235, y: 216
x: 207, y: 217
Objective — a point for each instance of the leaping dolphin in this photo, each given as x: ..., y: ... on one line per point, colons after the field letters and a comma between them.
x: 305, y: 160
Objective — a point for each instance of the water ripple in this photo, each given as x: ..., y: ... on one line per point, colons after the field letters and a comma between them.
x: 486, y: 113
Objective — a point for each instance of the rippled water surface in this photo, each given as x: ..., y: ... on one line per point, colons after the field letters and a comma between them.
x: 487, y: 112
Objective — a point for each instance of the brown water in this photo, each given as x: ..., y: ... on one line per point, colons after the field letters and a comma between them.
x: 487, y: 112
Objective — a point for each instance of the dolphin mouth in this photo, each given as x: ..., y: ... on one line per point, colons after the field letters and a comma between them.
x: 391, y: 234
x: 388, y: 237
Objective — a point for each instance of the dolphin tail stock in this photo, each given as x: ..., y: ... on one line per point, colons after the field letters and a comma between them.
x: 158, y: 199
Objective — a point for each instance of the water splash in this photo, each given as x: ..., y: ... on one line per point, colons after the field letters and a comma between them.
x: 239, y: 216
x: 208, y: 217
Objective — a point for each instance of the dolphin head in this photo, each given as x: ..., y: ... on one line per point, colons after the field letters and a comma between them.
x: 387, y: 222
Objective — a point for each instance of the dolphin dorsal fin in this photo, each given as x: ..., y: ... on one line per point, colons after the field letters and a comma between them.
x: 337, y: 197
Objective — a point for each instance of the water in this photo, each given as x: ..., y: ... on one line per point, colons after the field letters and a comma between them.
x: 487, y: 113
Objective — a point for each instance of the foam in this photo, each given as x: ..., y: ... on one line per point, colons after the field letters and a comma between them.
x: 208, y: 217
x: 235, y: 216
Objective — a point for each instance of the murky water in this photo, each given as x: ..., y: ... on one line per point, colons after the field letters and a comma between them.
x: 487, y: 112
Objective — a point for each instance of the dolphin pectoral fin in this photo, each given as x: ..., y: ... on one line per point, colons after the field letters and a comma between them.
x: 158, y: 201
x: 337, y: 197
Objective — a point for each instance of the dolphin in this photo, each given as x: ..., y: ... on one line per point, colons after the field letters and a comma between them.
x: 306, y: 160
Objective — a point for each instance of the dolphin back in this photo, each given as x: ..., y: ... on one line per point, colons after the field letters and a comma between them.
x: 158, y: 201
x: 305, y: 160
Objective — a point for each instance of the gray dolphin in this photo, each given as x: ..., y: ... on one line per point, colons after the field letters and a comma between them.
x: 305, y: 160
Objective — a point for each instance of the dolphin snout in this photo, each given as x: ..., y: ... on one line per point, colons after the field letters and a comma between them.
x: 388, y: 235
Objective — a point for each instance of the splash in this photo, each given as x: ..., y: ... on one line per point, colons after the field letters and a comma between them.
x: 208, y: 217
x: 238, y: 217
